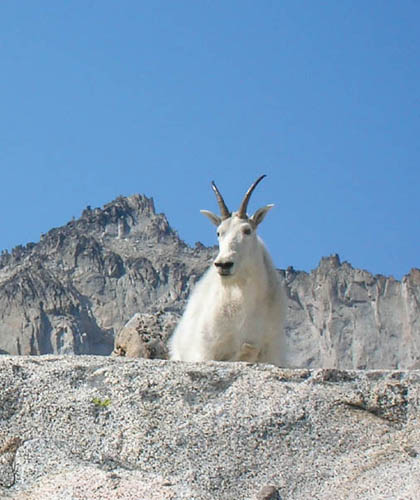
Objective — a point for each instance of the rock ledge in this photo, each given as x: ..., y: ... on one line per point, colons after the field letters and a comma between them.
x: 86, y: 427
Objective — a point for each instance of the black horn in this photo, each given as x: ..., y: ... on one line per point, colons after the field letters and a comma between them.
x: 224, y: 211
x: 244, y: 204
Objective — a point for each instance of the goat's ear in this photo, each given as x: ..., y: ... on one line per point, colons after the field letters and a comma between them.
x: 259, y: 215
x: 213, y: 217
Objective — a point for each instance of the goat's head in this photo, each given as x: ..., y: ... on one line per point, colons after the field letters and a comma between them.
x: 238, y: 241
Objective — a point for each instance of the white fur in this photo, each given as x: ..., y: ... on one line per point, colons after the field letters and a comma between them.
x: 236, y: 316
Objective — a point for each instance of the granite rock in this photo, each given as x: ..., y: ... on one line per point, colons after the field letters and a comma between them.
x: 86, y: 427
x: 72, y: 292
x: 341, y: 317
x: 146, y: 336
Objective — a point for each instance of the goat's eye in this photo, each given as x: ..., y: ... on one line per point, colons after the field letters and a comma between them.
x: 218, y: 233
x: 247, y: 230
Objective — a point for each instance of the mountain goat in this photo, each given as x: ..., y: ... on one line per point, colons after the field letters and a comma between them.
x: 236, y: 310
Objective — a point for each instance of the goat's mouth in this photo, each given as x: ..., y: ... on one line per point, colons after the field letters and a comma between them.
x: 225, y: 272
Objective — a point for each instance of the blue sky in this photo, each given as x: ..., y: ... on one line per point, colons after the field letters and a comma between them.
x: 105, y: 98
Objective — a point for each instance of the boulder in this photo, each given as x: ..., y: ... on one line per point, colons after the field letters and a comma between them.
x: 146, y: 336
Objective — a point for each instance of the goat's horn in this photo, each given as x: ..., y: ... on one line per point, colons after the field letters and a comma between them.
x: 224, y: 211
x: 244, y: 204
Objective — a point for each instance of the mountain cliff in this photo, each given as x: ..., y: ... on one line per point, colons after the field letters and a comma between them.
x: 74, y: 291
x: 344, y: 317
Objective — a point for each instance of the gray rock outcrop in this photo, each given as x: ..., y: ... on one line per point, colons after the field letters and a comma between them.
x: 75, y: 290
x: 341, y: 317
x: 102, y: 428
x: 146, y: 336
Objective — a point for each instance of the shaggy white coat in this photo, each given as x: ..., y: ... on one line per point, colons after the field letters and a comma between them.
x: 237, y: 315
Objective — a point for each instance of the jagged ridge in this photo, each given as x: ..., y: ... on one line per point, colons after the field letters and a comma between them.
x: 72, y: 291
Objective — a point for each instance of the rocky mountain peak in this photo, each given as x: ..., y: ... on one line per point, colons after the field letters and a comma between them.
x: 125, y: 217
x: 328, y: 263
x: 72, y: 291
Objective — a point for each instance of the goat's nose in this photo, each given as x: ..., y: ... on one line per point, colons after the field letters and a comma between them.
x: 224, y: 265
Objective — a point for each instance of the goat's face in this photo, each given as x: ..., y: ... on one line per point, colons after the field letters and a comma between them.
x: 237, y: 245
x: 238, y: 241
